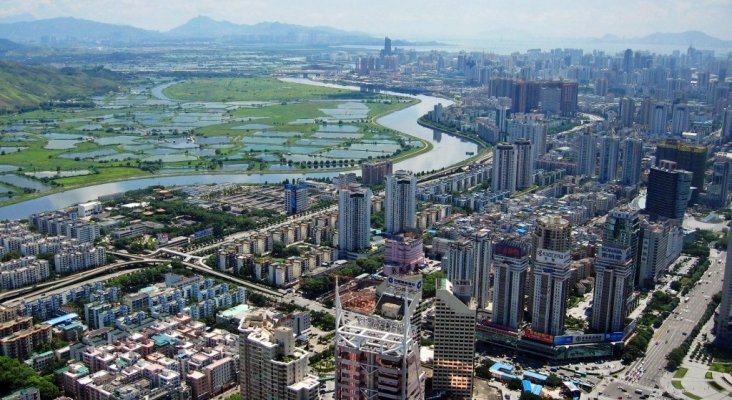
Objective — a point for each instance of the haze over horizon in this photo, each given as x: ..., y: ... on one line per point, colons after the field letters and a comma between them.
x: 438, y: 20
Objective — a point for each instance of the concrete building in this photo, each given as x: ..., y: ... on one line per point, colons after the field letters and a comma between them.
x: 586, y: 154
x: 551, y: 273
x: 354, y: 220
x: 632, y: 161
x: 615, y: 272
x: 609, y: 159
x: 403, y: 255
x: 627, y: 112
x: 724, y: 321
x: 659, y: 118
x: 377, y: 357
x: 654, y: 244
x: 669, y: 191
x: 679, y: 119
x: 400, y: 204
x: 689, y: 157
x: 726, y: 133
x: 524, y: 164
x: 718, y: 192
x: 270, y: 366
x: 534, y: 131
x: 505, y: 164
x: 467, y: 264
x: 510, y: 265
x: 296, y: 197
x: 454, y: 335
x: 374, y: 172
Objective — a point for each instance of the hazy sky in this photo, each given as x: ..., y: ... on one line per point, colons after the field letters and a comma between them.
x: 411, y: 19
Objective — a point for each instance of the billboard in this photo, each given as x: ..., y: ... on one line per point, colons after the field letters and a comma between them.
x: 615, y: 254
x: 588, y: 338
x: 538, y: 337
x: 552, y: 257
x: 510, y: 249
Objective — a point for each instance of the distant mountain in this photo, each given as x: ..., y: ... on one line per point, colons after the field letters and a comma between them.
x: 17, y: 18
x: 7, y: 46
x: 24, y: 87
x: 695, y: 38
x: 205, y: 27
x: 70, y: 31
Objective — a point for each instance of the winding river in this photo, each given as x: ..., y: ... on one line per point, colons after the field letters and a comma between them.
x: 447, y: 150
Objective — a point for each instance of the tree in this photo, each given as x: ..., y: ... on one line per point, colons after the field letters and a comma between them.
x: 15, y: 375
x: 553, y: 381
x: 514, y: 384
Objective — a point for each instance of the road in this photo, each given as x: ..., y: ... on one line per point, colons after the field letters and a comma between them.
x: 645, y: 373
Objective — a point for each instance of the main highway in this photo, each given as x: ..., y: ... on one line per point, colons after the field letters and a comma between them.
x: 645, y: 373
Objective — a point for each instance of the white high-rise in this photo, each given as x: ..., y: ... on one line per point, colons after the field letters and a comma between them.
x: 632, y: 161
x: 467, y: 264
x: 354, y: 219
x: 586, y: 154
x: 679, y: 119
x: 510, y: 264
x: 609, y: 159
x: 504, y: 168
x: 400, y: 203
x: 524, y: 164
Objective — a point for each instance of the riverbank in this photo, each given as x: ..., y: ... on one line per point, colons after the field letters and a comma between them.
x: 423, y: 121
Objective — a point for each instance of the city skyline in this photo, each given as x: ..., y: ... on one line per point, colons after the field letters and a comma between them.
x: 474, y: 19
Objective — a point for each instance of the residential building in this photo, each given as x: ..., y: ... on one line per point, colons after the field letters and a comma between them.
x: 296, y: 197
x: 586, y: 153
x: 632, y: 161
x: 609, y: 159
x: 505, y: 164
x: 510, y: 263
x: 374, y: 172
x: 354, y: 220
x: 524, y: 164
x: 400, y: 208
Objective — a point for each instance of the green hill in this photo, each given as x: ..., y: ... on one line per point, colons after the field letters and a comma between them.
x: 24, y: 87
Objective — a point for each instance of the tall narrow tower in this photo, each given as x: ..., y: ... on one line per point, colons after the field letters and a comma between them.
x: 354, y: 219
x: 609, y: 159
x: 632, y: 159
x: 586, y: 154
x: 510, y: 263
x: 400, y: 214
x: 524, y: 164
x: 504, y: 168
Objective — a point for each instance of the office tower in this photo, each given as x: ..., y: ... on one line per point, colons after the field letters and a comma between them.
x: 524, y: 164
x: 689, y: 157
x: 400, y: 204
x: 504, y: 168
x: 354, y: 219
x: 614, y: 271
x: 679, y: 119
x: 551, y: 273
x: 627, y: 112
x: 609, y: 159
x: 387, y: 46
x: 270, y: 366
x: 377, y: 357
x: 718, y: 192
x: 628, y: 61
x: 632, y: 161
x: 510, y: 265
x: 724, y: 321
x: 586, y: 154
x: 467, y: 264
x: 296, y: 197
x: 374, y: 172
x: 669, y: 190
x: 454, y: 338
x: 654, y: 244
x: 726, y: 124
x: 658, y: 119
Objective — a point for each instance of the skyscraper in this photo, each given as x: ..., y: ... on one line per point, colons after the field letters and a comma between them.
x: 628, y: 61
x: 586, y: 154
x: 724, y: 321
x: 387, y: 46
x: 296, y: 197
x: 654, y: 244
x: 510, y: 263
x: 609, y: 159
x: 270, y: 366
x: 718, y: 193
x: 550, y: 270
x: 659, y: 117
x: 467, y: 264
x: 614, y: 271
x: 632, y: 161
x: 669, y: 190
x: 534, y: 131
x: 377, y: 357
x: 679, y: 119
x: 524, y: 164
x: 354, y: 219
x: 689, y: 157
x: 454, y: 336
x: 504, y: 168
x: 400, y: 204
x: 627, y: 112
x: 727, y: 124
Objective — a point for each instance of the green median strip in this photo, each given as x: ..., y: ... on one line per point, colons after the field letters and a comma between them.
x: 680, y: 373
x: 677, y: 385
x: 692, y: 396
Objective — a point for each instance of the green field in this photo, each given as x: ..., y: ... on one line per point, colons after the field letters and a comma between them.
x: 251, y: 89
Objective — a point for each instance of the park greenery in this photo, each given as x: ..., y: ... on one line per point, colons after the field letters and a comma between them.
x: 15, y: 375
x: 134, y: 281
x: 429, y: 283
x: 316, y: 286
x: 323, y: 320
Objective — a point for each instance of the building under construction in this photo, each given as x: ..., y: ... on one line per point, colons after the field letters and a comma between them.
x: 377, y: 357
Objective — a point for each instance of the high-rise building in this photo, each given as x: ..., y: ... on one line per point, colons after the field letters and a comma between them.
x: 534, y: 131
x: 614, y: 271
x: 270, y: 366
x: 609, y: 159
x: 653, y: 244
x: 296, y: 197
x: 724, y: 321
x: 627, y: 112
x: 632, y: 161
x: 377, y: 357
x: 387, y: 46
x: 679, y: 119
x: 504, y: 168
x: 718, y: 192
x: 510, y: 265
x: 354, y: 219
x: 727, y: 124
x: 669, y: 191
x: 402, y: 255
x: 551, y: 273
x: 524, y: 164
x: 467, y: 265
x: 400, y: 204
x: 586, y: 154
x: 659, y: 118
x: 689, y: 157
x: 628, y: 61
x: 374, y: 172
x: 454, y: 339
